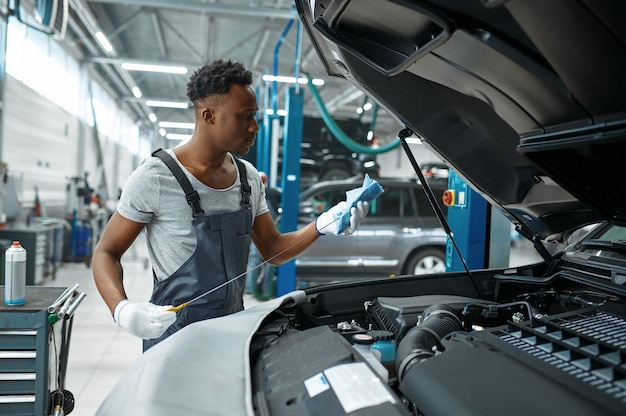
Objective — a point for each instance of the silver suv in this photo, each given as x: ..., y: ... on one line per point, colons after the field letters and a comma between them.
x: 400, y: 235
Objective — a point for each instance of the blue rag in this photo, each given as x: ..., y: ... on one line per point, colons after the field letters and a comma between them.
x: 367, y: 192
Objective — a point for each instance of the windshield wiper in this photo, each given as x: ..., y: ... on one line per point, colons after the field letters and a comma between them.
x: 619, y: 246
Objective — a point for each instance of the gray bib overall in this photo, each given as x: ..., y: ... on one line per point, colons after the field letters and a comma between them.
x: 223, y: 244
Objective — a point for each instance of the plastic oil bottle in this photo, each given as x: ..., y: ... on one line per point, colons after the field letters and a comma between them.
x: 15, y: 275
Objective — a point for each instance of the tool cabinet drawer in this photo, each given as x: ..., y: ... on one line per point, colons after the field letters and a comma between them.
x: 17, y: 383
x: 18, y: 361
x: 17, y: 339
x: 17, y: 405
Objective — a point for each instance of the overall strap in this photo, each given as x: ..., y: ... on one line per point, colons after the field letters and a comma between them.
x: 246, y: 189
x: 191, y: 194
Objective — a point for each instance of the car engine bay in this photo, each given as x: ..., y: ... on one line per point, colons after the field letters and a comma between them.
x: 501, y: 92
x: 553, y: 345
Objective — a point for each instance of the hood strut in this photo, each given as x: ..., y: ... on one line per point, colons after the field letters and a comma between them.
x: 402, y: 135
x: 537, y: 244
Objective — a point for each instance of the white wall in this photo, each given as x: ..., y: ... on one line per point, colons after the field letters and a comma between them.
x: 395, y: 163
x: 39, y: 143
x: 44, y: 146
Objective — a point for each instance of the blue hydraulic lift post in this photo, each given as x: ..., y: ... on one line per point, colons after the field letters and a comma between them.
x: 468, y: 221
x: 264, y: 137
x: 264, y: 143
x: 270, y: 113
x: 292, y: 151
x: 275, y: 63
x: 482, y: 234
x: 260, y: 136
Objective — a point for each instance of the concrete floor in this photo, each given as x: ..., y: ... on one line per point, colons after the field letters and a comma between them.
x: 100, y: 351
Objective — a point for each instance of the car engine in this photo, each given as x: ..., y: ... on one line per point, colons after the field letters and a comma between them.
x: 558, y: 349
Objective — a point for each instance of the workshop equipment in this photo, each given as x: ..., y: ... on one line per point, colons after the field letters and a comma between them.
x: 62, y: 400
x: 34, y: 239
x: 35, y: 353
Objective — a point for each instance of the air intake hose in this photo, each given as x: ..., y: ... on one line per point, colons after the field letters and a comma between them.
x: 421, y: 341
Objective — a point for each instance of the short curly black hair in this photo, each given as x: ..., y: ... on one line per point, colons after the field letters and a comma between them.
x: 216, y: 78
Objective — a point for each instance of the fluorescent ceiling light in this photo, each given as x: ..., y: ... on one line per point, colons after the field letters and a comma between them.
x: 366, y: 107
x: 137, y: 92
x: 162, y: 132
x: 177, y: 125
x: 174, y: 136
x: 167, y: 104
x: 152, y: 117
x: 291, y: 80
x: 269, y: 112
x: 129, y: 66
x: 104, y: 42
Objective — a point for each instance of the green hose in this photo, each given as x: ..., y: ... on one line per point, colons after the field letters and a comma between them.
x: 340, y: 135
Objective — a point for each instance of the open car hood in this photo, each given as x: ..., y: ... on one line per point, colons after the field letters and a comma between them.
x: 524, y: 99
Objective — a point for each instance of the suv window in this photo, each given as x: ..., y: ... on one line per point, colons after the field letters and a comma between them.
x: 425, y: 209
x: 403, y: 202
x: 398, y: 201
x: 394, y: 202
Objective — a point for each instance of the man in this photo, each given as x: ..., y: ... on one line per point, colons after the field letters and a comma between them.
x: 200, y: 206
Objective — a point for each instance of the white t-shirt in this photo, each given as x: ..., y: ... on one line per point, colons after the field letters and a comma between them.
x: 153, y: 196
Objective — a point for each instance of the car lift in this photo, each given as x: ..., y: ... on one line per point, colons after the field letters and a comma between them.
x: 482, y: 233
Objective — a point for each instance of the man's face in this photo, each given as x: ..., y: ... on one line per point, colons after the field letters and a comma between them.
x: 235, y: 119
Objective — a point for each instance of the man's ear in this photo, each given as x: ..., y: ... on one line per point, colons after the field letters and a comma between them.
x: 207, y: 114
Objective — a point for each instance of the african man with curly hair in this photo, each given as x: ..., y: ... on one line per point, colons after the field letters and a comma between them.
x: 200, y: 207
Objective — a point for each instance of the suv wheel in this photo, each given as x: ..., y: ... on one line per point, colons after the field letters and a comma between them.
x: 431, y: 260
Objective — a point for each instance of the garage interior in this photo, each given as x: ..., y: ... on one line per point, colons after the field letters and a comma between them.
x: 111, y: 40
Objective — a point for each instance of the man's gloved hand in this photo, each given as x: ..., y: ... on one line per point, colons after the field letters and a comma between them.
x: 356, y: 216
x: 329, y: 222
x: 144, y: 320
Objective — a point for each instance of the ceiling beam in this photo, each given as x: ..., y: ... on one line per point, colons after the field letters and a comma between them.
x: 117, y: 75
x: 256, y: 11
x: 182, y: 39
x: 126, y: 24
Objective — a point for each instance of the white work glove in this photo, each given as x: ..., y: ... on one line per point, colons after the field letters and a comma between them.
x: 329, y: 221
x: 144, y: 320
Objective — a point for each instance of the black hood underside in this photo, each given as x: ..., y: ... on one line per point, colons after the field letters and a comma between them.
x: 524, y: 99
